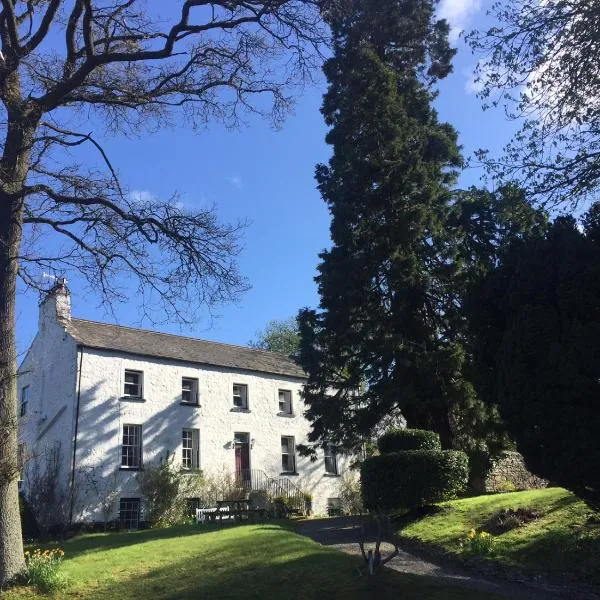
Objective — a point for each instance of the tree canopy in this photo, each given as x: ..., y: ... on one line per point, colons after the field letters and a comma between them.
x: 390, y: 334
x: 536, y: 327
x: 134, y: 70
x: 279, y: 336
x: 538, y: 60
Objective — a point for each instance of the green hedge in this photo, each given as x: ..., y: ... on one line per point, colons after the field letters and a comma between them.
x: 411, y: 478
x: 395, y: 440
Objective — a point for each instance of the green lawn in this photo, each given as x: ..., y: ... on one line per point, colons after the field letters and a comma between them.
x: 251, y: 561
x: 561, y: 541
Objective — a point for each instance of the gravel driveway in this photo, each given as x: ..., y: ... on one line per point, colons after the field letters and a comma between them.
x: 343, y: 534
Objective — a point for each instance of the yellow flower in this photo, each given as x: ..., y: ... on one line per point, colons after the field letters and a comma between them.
x: 484, y: 534
x: 471, y: 535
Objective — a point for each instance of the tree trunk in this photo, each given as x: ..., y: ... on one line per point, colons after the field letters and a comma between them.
x: 14, y: 166
x: 11, y: 543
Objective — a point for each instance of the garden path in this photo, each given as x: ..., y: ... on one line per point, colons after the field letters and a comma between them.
x: 343, y: 533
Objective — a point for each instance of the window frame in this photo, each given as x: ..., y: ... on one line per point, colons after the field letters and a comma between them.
x: 244, y: 397
x: 122, y: 521
x: 289, y: 401
x: 24, y: 400
x: 193, y: 391
x: 140, y: 384
x: 329, y: 453
x: 139, y: 446
x: 291, y: 455
x: 193, y: 450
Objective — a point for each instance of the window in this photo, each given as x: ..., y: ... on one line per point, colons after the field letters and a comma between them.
x: 129, y: 513
x: 193, y: 504
x: 331, y: 460
x: 189, y: 390
x: 133, y: 384
x: 21, y: 458
x: 190, y: 449
x: 285, y: 402
x: 240, y: 395
x: 24, y: 400
x: 288, y: 455
x: 334, y: 507
x: 131, y: 456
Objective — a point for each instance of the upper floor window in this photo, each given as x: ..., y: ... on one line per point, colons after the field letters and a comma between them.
x: 331, y: 465
x: 285, y: 402
x: 133, y: 383
x: 21, y: 458
x: 190, y: 449
x: 240, y: 395
x: 288, y: 454
x: 131, y: 451
x: 189, y: 390
x: 24, y: 400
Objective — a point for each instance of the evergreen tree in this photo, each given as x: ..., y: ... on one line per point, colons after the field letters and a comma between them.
x: 536, y: 328
x: 387, y: 336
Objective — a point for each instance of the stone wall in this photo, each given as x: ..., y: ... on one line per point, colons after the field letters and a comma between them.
x: 508, y: 473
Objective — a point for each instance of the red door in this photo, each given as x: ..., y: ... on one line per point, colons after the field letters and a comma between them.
x: 242, y: 460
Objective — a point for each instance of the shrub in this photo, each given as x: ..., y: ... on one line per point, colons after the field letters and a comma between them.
x: 396, y: 440
x: 28, y: 522
x: 43, y: 570
x: 412, y: 478
x: 350, y: 494
x: 508, y: 518
x: 165, y: 489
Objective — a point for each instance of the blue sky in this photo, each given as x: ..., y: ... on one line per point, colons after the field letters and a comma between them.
x: 266, y: 177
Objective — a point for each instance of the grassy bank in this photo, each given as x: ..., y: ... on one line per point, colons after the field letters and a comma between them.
x: 252, y: 561
x: 562, y: 540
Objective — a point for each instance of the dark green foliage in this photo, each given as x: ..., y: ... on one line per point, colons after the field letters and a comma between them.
x: 412, y: 478
x: 408, y: 439
x: 389, y: 335
x: 536, y: 323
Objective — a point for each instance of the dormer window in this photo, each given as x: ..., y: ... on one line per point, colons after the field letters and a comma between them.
x: 133, y: 384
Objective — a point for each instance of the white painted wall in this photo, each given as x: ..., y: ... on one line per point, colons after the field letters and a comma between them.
x: 51, y: 371
x: 103, y: 413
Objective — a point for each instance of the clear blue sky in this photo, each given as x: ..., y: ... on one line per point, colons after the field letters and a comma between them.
x: 266, y: 177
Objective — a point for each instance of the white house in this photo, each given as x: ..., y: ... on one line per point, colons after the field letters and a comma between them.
x: 112, y: 399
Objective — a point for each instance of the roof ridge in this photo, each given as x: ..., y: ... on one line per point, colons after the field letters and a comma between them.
x: 185, y: 337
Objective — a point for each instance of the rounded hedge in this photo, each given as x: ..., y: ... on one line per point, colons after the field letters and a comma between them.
x: 395, y: 440
x: 411, y: 478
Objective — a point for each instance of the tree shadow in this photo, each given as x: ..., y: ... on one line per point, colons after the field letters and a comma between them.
x: 270, y: 566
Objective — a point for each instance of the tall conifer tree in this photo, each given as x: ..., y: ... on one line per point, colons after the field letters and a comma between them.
x: 383, y: 338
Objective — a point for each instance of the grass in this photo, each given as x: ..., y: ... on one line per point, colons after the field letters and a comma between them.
x: 250, y: 561
x: 561, y: 542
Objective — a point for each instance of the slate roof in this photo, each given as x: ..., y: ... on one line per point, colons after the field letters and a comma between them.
x: 164, y: 345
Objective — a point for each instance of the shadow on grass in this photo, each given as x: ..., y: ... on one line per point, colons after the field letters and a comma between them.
x: 96, y: 542
x: 266, y: 566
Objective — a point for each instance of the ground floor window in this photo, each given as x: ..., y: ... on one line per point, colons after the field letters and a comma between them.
x: 129, y: 513
x: 193, y: 504
x: 334, y: 507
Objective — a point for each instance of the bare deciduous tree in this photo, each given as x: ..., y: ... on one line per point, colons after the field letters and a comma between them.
x: 64, y: 59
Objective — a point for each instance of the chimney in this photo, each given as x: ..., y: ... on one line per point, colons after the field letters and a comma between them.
x: 56, y: 305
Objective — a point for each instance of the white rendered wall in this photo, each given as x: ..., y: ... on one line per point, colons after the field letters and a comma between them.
x: 50, y: 372
x: 103, y: 413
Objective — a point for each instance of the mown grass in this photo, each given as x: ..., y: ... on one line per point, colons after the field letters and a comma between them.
x: 563, y: 541
x: 266, y: 561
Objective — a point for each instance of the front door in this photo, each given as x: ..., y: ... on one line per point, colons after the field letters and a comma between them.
x: 242, y: 457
